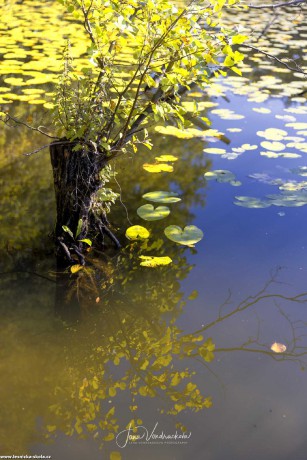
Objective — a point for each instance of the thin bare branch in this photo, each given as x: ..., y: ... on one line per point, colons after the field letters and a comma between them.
x: 8, y: 118
x: 279, y: 5
x: 274, y: 58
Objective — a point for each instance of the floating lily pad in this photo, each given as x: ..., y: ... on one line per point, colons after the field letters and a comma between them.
x: 272, y: 134
x: 251, y: 202
x: 148, y: 212
x: 157, y: 168
x: 280, y: 155
x: 234, y: 130
x: 166, y: 158
x: 162, y: 197
x: 188, y: 236
x: 261, y: 110
x: 273, y: 146
x: 297, y: 125
x: 222, y: 175
x: 249, y: 147
x: 215, y: 151
x: 188, y: 133
x: 152, y: 262
x: 301, y: 171
x: 137, y: 232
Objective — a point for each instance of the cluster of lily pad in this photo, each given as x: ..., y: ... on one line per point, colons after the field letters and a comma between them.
x: 293, y: 192
x: 188, y: 236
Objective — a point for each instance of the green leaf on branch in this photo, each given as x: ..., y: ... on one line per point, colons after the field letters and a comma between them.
x: 86, y: 241
x: 67, y: 230
x: 79, y: 228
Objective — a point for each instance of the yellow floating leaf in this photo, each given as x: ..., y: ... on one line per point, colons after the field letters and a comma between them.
x: 166, y: 158
x: 215, y: 151
x: 152, y: 262
x: 137, y: 232
x: 272, y: 134
x: 159, y: 167
x: 297, y: 125
x: 273, y: 146
x: 261, y: 110
x: 278, y: 347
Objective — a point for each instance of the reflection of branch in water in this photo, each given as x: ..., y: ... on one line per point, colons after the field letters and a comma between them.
x: 250, y: 301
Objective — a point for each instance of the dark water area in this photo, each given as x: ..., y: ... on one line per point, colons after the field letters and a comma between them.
x: 184, y: 348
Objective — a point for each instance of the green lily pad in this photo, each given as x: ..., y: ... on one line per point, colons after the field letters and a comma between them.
x: 162, y: 197
x: 188, y: 236
x: 137, y: 232
x: 152, y: 262
x: 251, y: 202
x: 223, y: 176
x: 148, y: 212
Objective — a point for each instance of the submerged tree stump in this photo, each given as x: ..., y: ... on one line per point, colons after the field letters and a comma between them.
x: 77, y: 179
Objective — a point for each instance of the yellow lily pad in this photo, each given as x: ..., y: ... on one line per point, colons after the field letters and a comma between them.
x: 157, y: 168
x: 152, y: 261
x: 166, y: 158
x: 137, y: 232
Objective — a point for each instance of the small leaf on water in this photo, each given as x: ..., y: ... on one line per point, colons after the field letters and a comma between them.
x: 137, y: 232
x: 188, y: 236
x: 278, y: 347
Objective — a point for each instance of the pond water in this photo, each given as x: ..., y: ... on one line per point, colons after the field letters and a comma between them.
x: 183, y: 348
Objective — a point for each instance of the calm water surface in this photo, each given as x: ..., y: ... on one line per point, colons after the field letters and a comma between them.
x: 83, y: 358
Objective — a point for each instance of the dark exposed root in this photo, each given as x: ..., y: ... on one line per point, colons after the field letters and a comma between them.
x: 65, y: 250
x: 79, y: 254
x: 104, y: 230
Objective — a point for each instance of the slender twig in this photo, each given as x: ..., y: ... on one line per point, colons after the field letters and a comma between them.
x: 271, y: 56
x: 19, y: 122
x: 45, y: 146
x: 278, y: 5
